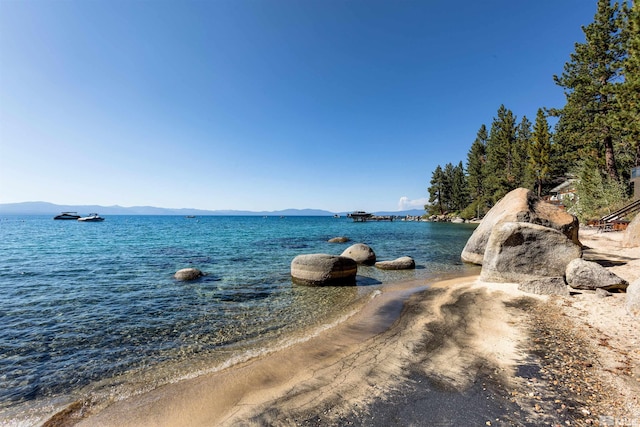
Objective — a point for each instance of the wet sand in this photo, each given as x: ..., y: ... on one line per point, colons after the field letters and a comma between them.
x: 461, y: 352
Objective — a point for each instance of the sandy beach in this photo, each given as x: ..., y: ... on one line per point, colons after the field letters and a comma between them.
x: 460, y: 352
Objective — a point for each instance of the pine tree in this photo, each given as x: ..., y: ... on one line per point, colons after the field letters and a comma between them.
x: 523, y: 178
x: 540, y: 150
x: 460, y: 192
x: 499, y: 168
x: 447, y: 190
x: 590, y: 80
x: 436, y: 190
x: 476, y: 158
x: 629, y: 90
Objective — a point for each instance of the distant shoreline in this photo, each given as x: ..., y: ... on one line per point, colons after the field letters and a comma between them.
x: 45, y: 208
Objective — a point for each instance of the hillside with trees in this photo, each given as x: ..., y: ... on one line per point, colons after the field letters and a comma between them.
x: 595, y: 139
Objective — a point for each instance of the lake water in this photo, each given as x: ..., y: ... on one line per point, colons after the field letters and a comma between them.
x: 91, y: 310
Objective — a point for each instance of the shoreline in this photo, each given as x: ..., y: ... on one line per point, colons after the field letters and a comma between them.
x: 459, y: 351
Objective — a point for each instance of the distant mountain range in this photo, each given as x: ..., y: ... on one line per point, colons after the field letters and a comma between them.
x: 44, y: 208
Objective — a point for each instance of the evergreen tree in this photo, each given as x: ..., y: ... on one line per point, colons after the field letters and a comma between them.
x: 629, y: 94
x: 447, y: 190
x: 476, y: 159
x: 460, y: 194
x: 522, y: 175
x: 539, y: 151
x: 597, y: 194
x: 590, y: 80
x: 499, y: 168
x: 436, y: 190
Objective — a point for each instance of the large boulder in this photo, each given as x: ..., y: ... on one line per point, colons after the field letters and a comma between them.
x: 520, y: 205
x: 545, y: 286
x: 402, y: 263
x: 520, y: 251
x: 631, y: 238
x: 323, y: 269
x: 588, y: 275
x: 187, y: 274
x: 360, y: 253
x: 633, y: 299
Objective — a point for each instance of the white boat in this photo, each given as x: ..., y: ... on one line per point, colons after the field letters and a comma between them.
x: 92, y: 217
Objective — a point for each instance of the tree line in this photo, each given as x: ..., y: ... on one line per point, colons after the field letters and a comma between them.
x: 595, y: 139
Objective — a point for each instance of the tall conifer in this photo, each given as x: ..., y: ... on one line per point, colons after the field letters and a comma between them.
x: 540, y: 151
x: 629, y: 95
x: 590, y: 80
x: 523, y: 178
x: 499, y: 169
x: 436, y: 191
x: 476, y: 158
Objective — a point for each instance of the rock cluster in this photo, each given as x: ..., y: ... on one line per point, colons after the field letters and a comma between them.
x: 520, y: 205
x: 518, y: 251
x: 327, y: 270
x: 527, y: 241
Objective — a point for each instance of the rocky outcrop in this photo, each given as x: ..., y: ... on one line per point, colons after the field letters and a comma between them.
x: 588, y: 275
x: 360, y: 253
x: 520, y: 205
x: 546, y: 286
x: 631, y: 238
x: 187, y: 274
x: 339, y: 239
x: 402, y: 263
x: 323, y: 270
x: 520, y: 251
x: 633, y: 299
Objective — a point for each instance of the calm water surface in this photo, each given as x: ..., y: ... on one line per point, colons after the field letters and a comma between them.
x: 92, y: 309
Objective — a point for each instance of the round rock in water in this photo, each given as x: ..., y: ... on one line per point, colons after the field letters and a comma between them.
x: 323, y: 270
x: 339, y: 239
x: 402, y: 263
x: 187, y: 274
x: 360, y: 253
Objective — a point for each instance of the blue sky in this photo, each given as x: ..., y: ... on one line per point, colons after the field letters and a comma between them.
x: 264, y: 105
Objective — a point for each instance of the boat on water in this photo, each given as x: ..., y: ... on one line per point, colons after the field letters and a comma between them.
x: 67, y: 215
x: 92, y: 217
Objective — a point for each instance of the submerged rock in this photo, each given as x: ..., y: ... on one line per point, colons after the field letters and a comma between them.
x: 520, y: 205
x: 339, y: 239
x: 187, y: 274
x: 402, y: 263
x: 360, y: 253
x: 520, y: 251
x: 588, y: 275
x: 323, y: 269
